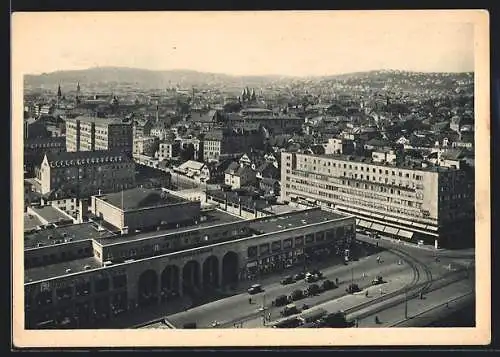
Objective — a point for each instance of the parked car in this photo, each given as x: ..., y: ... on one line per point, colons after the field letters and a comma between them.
x: 290, y: 309
x: 299, y: 276
x: 296, y: 295
x: 378, y: 280
x: 318, y: 273
x: 353, y: 288
x: 310, y: 278
x: 255, y: 289
x: 287, y: 280
x: 328, y: 285
x: 305, y: 307
x: 313, y: 289
x: 281, y: 300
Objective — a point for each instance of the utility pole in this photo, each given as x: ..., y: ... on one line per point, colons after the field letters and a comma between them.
x: 406, y: 303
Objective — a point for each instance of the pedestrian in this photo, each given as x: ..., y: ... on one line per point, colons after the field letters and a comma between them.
x: 250, y: 300
x: 366, y: 293
x: 377, y: 321
x: 268, y: 316
x: 381, y: 291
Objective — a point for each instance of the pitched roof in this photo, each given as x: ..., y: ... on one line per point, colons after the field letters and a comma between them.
x: 232, y: 168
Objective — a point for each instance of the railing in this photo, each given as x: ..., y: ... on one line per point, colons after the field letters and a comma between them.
x: 421, y: 314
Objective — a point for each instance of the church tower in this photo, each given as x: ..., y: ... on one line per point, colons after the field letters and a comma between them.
x: 77, y: 98
x: 59, y: 94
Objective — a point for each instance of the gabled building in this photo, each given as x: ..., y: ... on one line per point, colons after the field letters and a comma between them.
x: 238, y: 176
x: 195, y: 170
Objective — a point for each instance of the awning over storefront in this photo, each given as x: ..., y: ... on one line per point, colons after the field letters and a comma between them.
x: 378, y: 227
x: 432, y: 228
x: 405, y: 234
x: 376, y: 215
x: 389, y: 218
x: 364, y: 224
x: 357, y: 221
x: 391, y: 230
x: 418, y: 225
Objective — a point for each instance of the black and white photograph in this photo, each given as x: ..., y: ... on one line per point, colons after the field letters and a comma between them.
x: 239, y: 175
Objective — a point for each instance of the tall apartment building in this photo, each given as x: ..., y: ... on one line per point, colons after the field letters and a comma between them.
x: 86, y: 173
x: 434, y: 204
x: 92, y: 134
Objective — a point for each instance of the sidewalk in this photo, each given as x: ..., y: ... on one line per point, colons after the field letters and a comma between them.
x: 417, y: 306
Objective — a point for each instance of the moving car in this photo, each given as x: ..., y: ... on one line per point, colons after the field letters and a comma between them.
x: 378, y: 280
x: 281, y: 300
x: 290, y: 309
x: 288, y: 323
x: 296, y: 295
x: 287, y: 280
x: 255, y: 289
x: 353, y: 288
x: 334, y: 320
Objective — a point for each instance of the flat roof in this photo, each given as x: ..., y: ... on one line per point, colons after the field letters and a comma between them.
x: 139, y: 198
x: 214, y: 217
x: 76, y: 232
x: 50, y: 214
x: 59, y: 269
x: 293, y: 220
x: 369, y: 161
x: 31, y: 221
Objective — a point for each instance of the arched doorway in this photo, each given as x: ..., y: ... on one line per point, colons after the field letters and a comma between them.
x: 230, y: 268
x: 170, y: 282
x: 211, y: 272
x: 148, y: 288
x: 191, y: 277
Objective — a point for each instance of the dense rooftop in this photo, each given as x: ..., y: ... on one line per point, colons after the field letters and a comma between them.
x: 75, y: 232
x: 411, y: 165
x: 293, y: 220
x: 214, y: 217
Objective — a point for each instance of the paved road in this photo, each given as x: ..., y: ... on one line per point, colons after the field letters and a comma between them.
x: 237, y: 308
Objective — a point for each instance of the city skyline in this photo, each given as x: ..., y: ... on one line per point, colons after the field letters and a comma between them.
x: 368, y: 41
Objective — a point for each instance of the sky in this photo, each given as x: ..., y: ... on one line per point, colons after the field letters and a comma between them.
x: 245, y: 43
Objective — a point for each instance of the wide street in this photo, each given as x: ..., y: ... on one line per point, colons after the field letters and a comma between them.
x: 237, y: 309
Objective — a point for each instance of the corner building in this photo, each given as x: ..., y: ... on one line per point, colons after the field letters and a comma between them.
x: 434, y: 204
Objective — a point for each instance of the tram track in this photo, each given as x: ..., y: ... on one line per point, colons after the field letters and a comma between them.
x: 422, y: 281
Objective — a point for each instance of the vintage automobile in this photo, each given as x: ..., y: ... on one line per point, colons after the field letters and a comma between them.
x: 255, y: 289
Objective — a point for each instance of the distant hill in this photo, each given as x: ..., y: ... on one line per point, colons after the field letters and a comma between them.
x: 144, y: 78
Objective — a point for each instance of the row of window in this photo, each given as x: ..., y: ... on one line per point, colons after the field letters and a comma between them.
x: 54, y: 258
x: 367, y: 169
